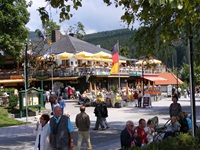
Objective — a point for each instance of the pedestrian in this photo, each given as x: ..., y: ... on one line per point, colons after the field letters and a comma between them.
x: 55, y: 102
x: 135, y: 96
x: 42, y: 131
x: 51, y: 100
x: 173, y: 128
x: 140, y: 99
x: 70, y: 92
x: 151, y: 133
x: 62, y: 104
x: 98, y: 114
x: 175, y: 108
x: 48, y: 95
x: 44, y: 99
x: 83, y: 125
x: 128, y: 136
x: 104, y: 115
x: 141, y: 134
x: 184, y: 123
x: 61, y: 131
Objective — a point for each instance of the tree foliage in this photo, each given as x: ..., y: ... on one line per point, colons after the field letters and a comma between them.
x: 77, y: 29
x: 13, y: 17
x: 185, y: 74
x: 162, y: 21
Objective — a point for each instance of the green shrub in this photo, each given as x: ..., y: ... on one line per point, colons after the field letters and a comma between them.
x: 180, y: 142
x: 13, y: 100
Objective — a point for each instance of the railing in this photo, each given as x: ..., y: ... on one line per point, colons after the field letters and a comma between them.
x: 100, y: 71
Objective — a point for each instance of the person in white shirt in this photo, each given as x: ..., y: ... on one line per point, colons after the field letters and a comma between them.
x: 42, y: 132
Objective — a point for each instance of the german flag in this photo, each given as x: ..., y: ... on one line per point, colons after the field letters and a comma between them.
x: 115, y: 58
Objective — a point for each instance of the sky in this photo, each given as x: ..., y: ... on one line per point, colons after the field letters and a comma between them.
x: 95, y: 15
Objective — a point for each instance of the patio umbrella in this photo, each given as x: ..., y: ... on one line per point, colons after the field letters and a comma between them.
x: 95, y: 89
x: 40, y: 58
x: 140, y: 62
x: 103, y: 55
x: 127, y: 89
x: 90, y: 88
x: 65, y: 55
x: 84, y: 54
x: 155, y: 61
x: 151, y: 61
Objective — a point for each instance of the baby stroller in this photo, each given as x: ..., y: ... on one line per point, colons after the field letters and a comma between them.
x: 171, y: 128
x: 161, y: 130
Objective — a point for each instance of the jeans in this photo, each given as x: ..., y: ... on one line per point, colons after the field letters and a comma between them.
x: 99, y: 121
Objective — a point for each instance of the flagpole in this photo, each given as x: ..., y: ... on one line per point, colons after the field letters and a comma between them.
x: 118, y: 67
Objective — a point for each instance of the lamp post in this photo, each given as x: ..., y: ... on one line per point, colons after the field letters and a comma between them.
x: 51, y: 62
x: 26, y: 79
x: 143, y: 77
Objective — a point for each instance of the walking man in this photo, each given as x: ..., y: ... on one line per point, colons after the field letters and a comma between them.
x: 83, y: 125
x: 104, y: 115
x: 98, y: 114
x: 61, y: 131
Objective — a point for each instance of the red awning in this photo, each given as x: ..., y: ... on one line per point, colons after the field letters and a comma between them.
x: 155, y: 78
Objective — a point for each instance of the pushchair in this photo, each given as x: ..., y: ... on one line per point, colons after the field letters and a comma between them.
x: 170, y: 129
x: 161, y: 130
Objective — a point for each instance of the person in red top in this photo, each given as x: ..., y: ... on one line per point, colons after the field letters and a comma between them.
x: 70, y: 92
x: 136, y: 96
x: 141, y: 134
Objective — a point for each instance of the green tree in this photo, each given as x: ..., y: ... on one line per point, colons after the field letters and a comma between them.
x: 13, y: 17
x: 124, y: 51
x: 162, y: 22
x: 185, y: 75
x: 77, y: 29
x: 48, y: 27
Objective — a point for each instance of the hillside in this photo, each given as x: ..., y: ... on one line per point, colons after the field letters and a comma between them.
x: 107, y: 39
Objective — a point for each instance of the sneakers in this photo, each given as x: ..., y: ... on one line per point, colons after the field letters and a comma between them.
x: 95, y: 129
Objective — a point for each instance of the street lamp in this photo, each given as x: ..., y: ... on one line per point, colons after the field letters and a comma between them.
x: 143, y: 77
x: 26, y: 77
x: 51, y: 62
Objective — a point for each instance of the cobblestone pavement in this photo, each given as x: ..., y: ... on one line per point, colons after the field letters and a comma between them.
x: 21, y: 137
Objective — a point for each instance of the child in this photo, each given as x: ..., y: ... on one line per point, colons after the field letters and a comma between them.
x: 61, y: 101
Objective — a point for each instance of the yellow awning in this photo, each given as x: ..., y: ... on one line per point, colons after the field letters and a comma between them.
x: 65, y: 55
x: 84, y: 54
x: 103, y: 55
x: 122, y: 61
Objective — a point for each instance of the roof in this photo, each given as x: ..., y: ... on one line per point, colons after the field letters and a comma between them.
x: 155, y: 78
x: 171, y: 79
x: 71, y: 44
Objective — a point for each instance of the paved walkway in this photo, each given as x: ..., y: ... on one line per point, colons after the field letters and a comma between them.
x: 21, y: 137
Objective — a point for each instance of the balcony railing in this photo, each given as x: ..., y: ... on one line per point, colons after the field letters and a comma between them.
x: 100, y: 71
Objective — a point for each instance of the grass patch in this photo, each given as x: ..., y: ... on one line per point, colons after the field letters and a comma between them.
x: 5, y: 121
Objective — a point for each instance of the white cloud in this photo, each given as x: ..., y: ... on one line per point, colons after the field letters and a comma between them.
x: 95, y: 15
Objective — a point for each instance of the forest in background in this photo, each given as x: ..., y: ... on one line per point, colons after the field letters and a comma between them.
x: 176, y: 57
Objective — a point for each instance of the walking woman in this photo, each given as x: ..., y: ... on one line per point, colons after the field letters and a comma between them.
x: 42, y: 131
